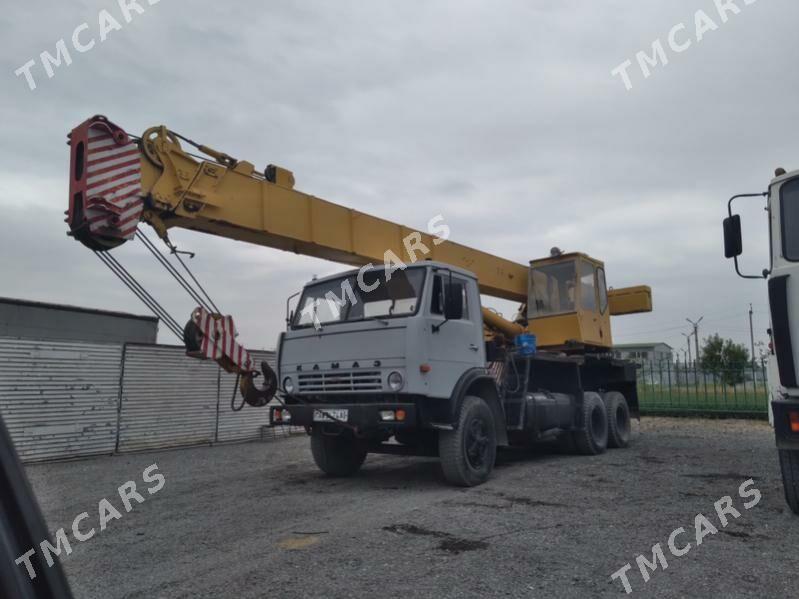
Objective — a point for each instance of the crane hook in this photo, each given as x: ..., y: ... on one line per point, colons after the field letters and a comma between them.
x: 255, y: 396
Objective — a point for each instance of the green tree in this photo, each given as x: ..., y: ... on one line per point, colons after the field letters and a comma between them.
x: 725, y: 358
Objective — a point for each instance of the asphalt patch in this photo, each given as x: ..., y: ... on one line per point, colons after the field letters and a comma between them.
x: 449, y: 542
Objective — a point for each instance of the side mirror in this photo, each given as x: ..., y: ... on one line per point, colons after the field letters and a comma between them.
x: 289, y: 312
x: 453, y: 301
x: 733, y: 244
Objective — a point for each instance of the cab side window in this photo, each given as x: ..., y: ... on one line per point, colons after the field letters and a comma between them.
x: 464, y: 285
x: 437, y: 300
x: 440, y: 286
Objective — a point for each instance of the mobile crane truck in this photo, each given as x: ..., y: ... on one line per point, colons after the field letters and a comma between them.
x: 782, y: 276
x: 383, y: 351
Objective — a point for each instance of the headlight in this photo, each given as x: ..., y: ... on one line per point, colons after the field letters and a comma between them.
x: 288, y: 385
x: 395, y: 381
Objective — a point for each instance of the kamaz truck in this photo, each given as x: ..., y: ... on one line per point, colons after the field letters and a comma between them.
x: 405, y: 357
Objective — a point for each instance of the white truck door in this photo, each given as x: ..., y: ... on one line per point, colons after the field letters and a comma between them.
x: 458, y: 343
x: 783, y: 281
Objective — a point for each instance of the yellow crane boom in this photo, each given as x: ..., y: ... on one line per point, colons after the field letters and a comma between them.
x: 118, y: 180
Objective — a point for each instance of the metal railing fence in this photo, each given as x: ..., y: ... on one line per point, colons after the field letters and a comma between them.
x: 687, y: 388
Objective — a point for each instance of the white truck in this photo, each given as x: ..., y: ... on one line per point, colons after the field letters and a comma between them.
x: 782, y: 276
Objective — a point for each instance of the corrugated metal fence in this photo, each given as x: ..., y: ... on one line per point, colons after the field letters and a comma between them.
x: 59, y: 399
x: 66, y: 400
x: 168, y: 399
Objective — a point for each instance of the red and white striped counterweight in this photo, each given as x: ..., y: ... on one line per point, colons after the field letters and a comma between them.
x: 105, y: 187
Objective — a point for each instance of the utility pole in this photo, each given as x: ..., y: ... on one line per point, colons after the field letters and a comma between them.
x: 688, y: 342
x: 696, y: 334
x: 751, y: 334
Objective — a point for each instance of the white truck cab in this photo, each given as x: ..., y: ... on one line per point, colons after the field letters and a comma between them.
x: 782, y: 276
x: 409, y: 332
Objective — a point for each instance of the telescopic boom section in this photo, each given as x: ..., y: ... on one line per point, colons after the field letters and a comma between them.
x: 114, y: 174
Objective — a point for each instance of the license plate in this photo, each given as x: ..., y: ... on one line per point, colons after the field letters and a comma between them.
x: 330, y: 415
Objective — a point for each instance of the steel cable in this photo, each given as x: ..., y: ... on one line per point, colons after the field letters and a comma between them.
x: 138, y: 290
x: 174, y: 272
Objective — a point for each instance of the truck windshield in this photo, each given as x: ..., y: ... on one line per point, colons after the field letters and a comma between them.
x: 348, y: 299
x: 790, y: 220
x: 552, y: 289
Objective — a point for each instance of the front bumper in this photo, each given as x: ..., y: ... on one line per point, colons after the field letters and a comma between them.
x: 781, y: 408
x: 361, y: 416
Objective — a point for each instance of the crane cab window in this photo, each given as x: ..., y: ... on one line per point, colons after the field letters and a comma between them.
x: 552, y: 289
x: 603, y: 290
x: 587, y: 286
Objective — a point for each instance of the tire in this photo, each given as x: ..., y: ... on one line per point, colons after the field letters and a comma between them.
x: 468, y: 452
x: 789, y: 464
x: 337, y: 456
x: 619, y: 428
x: 593, y: 439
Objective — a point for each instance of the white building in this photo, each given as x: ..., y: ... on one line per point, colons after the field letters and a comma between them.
x: 650, y: 353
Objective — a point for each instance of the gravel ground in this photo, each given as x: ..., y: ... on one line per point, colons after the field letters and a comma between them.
x: 258, y: 520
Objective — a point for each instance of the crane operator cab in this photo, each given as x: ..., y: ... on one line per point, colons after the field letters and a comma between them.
x: 569, y: 305
x: 568, y: 302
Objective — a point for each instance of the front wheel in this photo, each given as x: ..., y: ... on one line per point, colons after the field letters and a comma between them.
x: 339, y: 455
x: 468, y: 452
x: 789, y: 464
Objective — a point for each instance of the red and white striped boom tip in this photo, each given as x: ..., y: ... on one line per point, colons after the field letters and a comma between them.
x: 218, y: 339
x: 105, y: 184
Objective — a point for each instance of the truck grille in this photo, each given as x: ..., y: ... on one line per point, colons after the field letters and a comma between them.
x: 340, y: 381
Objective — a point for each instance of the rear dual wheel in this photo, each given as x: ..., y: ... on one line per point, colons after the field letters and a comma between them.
x: 592, y: 439
x: 607, y: 423
x: 619, y: 427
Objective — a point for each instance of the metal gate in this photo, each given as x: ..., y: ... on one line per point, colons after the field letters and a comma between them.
x: 168, y: 399
x: 59, y: 399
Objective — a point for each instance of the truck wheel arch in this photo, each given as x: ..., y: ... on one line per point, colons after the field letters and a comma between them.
x: 478, y: 382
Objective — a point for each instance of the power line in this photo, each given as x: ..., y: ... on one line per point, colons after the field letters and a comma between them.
x: 729, y: 316
x: 696, y: 333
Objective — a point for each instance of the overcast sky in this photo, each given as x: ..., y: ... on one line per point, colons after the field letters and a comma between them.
x: 501, y: 116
